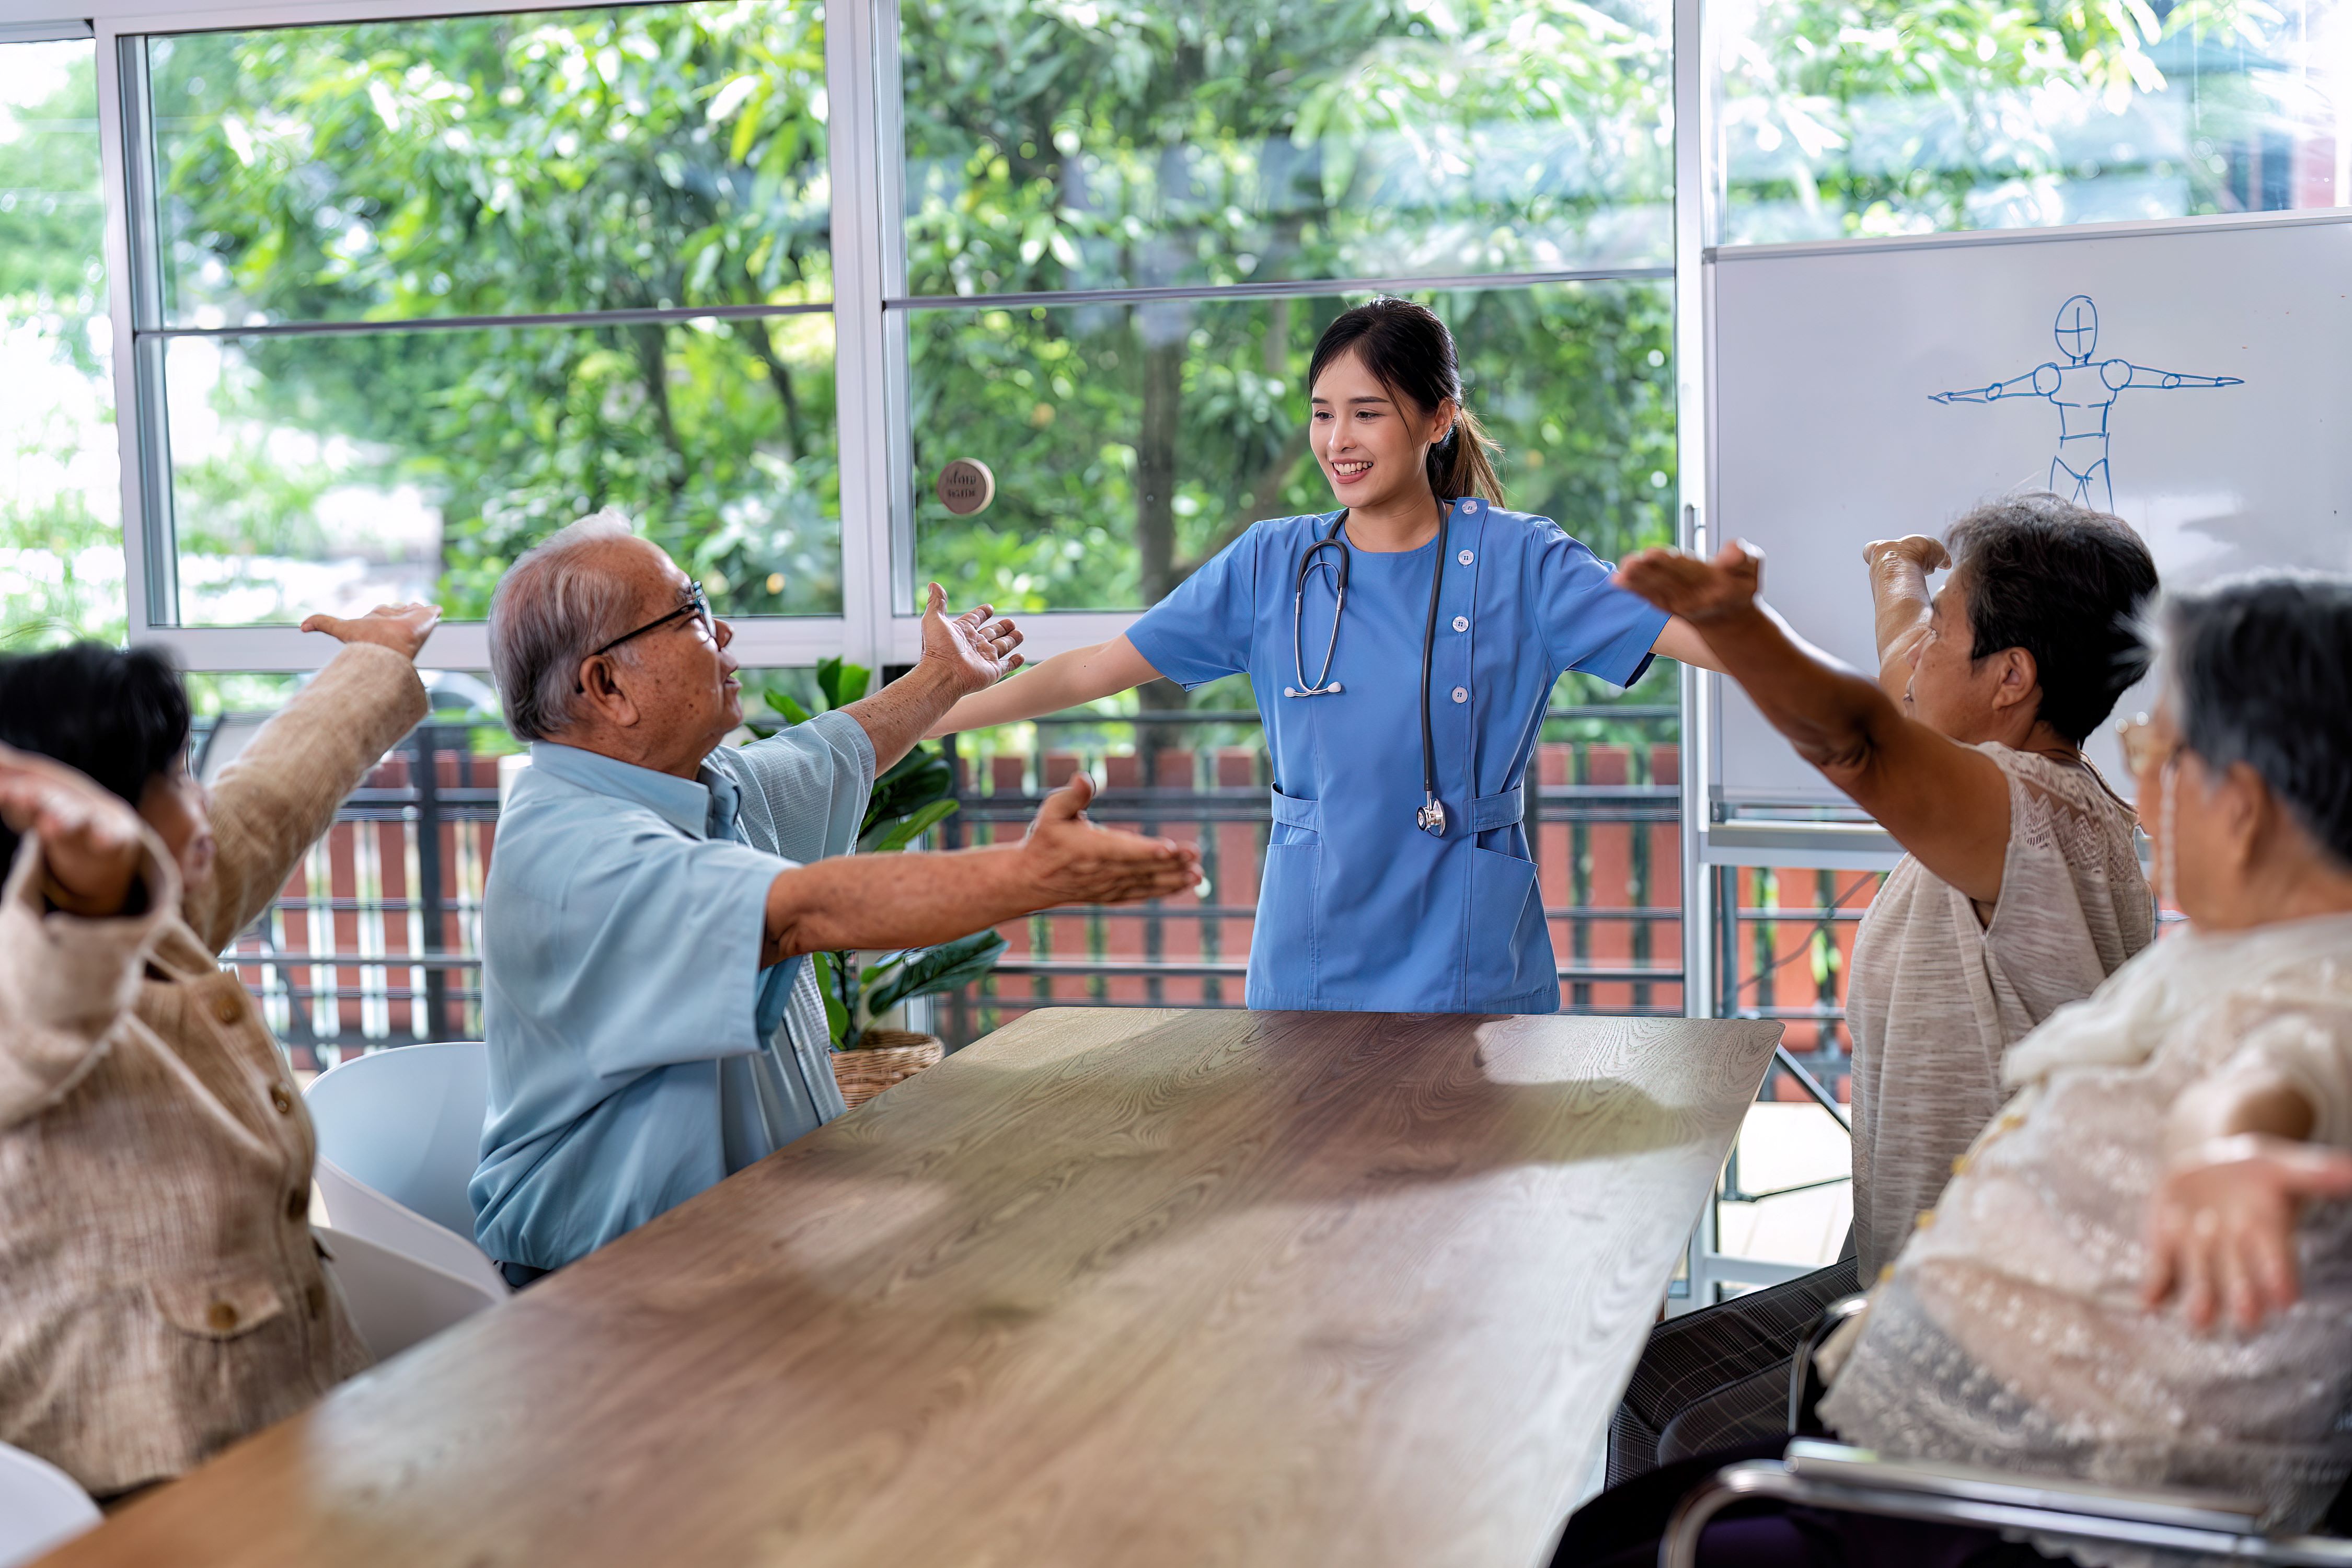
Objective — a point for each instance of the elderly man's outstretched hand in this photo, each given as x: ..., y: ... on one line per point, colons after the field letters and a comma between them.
x: 1077, y: 863
x: 400, y: 628
x: 1699, y: 591
x: 972, y: 651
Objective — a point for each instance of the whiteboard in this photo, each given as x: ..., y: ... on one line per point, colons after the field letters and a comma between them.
x: 1825, y: 359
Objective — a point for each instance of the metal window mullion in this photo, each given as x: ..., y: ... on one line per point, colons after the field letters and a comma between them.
x: 1278, y: 289
x: 1693, y: 126
x: 858, y: 378
x: 375, y: 326
x: 134, y: 292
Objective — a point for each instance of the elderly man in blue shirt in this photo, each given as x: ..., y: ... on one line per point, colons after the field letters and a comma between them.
x: 651, y: 1023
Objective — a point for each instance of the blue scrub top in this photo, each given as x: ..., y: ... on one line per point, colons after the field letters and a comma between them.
x: 1359, y: 909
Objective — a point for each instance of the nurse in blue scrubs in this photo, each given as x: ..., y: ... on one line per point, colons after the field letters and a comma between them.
x: 1403, y: 648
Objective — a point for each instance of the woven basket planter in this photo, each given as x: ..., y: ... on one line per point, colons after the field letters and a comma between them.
x: 890, y: 1055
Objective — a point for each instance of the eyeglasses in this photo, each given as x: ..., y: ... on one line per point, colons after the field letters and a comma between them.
x: 2137, y: 735
x: 697, y: 605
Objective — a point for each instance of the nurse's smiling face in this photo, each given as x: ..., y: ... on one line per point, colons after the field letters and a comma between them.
x: 1373, y: 443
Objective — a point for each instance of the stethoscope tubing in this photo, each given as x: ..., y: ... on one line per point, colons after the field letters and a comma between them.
x: 1431, y: 818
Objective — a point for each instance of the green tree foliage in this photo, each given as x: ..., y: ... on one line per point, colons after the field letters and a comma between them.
x: 60, y: 542
x: 676, y: 155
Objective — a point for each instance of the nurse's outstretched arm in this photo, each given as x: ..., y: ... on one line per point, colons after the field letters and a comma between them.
x: 1065, y: 681
x: 1945, y: 803
x: 1680, y: 641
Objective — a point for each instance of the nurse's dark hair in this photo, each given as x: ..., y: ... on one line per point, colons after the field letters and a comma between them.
x: 1409, y: 352
x: 120, y: 717
x: 2260, y: 668
x: 2067, y: 584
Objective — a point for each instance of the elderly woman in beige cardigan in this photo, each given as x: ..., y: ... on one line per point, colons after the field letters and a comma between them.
x: 163, y: 1292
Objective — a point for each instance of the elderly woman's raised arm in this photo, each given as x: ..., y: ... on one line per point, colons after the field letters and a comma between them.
x: 1947, y: 804
x: 85, y: 898
x: 281, y: 793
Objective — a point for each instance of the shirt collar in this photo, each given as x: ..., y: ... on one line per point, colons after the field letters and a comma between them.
x: 703, y: 808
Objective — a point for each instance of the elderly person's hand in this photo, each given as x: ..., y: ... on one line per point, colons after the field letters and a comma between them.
x: 2221, y: 1228
x: 89, y: 839
x: 1074, y: 862
x: 1926, y: 554
x: 973, y: 653
x: 1698, y: 591
x: 400, y: 628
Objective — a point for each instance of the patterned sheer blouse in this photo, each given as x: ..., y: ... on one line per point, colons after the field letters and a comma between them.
x: 2009, y: 1333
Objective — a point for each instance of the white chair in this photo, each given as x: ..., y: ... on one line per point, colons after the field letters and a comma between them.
x: 41, y: 1508
x: 408, y: 1123
x: 396, y: 1300
x: 342, y: 1203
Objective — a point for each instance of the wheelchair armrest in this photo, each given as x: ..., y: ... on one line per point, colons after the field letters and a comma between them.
x: 1805, y: 1388
x: 1834, y: 1479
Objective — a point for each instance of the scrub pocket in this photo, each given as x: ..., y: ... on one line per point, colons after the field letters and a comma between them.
x: 1508, y: 952
x: 1285, y: 941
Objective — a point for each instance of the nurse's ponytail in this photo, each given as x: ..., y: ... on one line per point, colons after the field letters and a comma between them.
x: 1409, y: 351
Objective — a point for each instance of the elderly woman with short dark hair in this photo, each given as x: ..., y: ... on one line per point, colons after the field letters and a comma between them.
x: 164, y: 1294
x: 2021, y: 891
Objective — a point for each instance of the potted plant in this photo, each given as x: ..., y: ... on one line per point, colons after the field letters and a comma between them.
x: 909, y: 799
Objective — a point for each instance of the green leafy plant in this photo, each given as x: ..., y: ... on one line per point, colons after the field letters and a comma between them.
x: 912, y: 796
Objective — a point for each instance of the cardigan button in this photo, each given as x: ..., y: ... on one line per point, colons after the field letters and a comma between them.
x: 220, y: 1317
x: 281, y: 1100
x: 230, y: 1007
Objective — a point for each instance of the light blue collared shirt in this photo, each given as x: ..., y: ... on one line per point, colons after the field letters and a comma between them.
x: 638, y: 1052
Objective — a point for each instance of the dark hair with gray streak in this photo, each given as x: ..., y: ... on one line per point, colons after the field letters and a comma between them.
x: 547, y: 614
x: 2260, y: 668
x: 2067, y: 584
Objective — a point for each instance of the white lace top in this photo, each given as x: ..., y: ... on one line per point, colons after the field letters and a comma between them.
x: 1939, y: 995
x: 2009, y: 1333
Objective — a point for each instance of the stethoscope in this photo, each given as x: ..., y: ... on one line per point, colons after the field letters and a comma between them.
x: 1431, y: 818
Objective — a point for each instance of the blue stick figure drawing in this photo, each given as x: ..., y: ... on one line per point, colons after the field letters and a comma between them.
x: 2085, y: 390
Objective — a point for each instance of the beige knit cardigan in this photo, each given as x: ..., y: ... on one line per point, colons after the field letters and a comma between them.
x: 161, y: 1293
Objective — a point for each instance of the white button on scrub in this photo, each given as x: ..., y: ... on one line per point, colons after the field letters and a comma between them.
x: 1461, y: 694
x: 1466, y: 558
x: 1460, y: 622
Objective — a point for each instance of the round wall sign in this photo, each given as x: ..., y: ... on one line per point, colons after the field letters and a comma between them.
x: 966, y: 487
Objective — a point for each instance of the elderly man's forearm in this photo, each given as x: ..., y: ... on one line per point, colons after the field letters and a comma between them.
x: 896, y: 900
x: 896, y: 717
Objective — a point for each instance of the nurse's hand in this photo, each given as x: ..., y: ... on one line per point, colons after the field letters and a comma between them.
x: 1074, y: 862
x: 1698, y: 591
x: 972, y: 652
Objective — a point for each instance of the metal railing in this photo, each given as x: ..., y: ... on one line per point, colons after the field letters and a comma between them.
x: 373, y: 941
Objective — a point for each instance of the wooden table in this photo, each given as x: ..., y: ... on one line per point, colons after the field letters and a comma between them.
x: 1106, y: 1288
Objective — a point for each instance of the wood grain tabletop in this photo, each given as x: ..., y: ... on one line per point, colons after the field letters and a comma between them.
x: 1110, y: 1287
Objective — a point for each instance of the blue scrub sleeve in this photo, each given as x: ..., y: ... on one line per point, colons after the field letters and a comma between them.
x: 1201, y: 631
x: 1589, y: 624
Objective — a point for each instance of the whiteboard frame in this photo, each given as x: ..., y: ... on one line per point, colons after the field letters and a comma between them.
x: 1725, y: 837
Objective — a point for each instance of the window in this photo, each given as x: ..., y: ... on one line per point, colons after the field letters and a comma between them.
x: 1883, y: 118
x: 62, y: 565
x: 421, y: 291
x: 1125, y: 228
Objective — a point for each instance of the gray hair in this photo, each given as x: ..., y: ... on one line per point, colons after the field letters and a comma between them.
x: 549, y: 612
x: 2261, y: 669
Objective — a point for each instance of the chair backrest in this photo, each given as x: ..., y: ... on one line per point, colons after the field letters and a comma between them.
x: 41, y: 1508
x: 349, y: 1205
x: 408, y: 1123
x: 396, y: 1300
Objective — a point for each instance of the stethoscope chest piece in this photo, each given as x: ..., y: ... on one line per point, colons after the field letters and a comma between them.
x: 1431, y: 818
